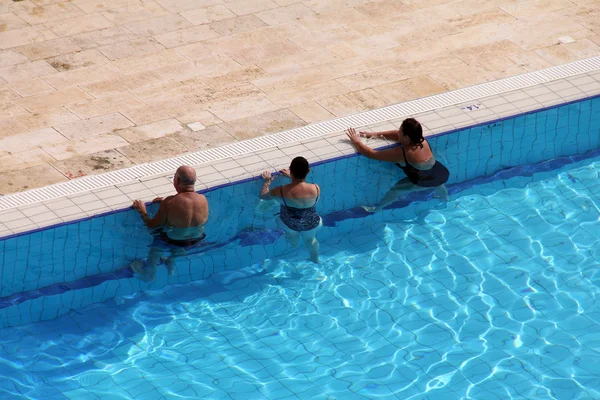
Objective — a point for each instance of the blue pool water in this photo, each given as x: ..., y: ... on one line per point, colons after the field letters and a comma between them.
x: 493, y: 297
x: 490, y: 297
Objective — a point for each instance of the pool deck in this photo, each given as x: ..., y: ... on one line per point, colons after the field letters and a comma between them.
x: 94, y: 195
x: 91, y: 86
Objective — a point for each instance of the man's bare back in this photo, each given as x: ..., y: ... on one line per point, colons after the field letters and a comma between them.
x: 186, y: 214
x: 186, y: 209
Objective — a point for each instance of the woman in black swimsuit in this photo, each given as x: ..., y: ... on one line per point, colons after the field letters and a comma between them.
x: 413, y: 156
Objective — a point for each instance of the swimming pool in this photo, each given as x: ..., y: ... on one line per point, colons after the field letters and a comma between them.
x: 489, y: 297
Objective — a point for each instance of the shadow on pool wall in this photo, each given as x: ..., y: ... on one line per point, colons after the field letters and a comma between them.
x: 241, y: 231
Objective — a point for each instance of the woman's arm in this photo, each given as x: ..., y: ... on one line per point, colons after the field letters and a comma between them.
x: 391, y: 155
x: 389, y: 135
x: 265, y: 192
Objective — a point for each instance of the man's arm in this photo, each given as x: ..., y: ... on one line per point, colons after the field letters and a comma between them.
x: 159, y: 219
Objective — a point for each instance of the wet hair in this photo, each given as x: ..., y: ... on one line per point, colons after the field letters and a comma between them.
x: 299, y: 167
x: 413, y: 129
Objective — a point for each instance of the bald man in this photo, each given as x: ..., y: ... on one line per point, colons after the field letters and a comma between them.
x: 181, y: 218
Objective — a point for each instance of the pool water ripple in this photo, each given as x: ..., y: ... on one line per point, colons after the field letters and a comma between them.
x: 492, y: 297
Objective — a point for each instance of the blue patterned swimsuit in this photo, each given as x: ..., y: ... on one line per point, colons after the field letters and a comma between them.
x: 299, y: 219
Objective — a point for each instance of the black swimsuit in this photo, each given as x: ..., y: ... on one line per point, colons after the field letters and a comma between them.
x: 161, y: 236
x: 435, y: 176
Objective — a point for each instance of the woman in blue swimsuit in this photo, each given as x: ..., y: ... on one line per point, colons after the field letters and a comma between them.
x: 298, y: 209
x: 413, y: 156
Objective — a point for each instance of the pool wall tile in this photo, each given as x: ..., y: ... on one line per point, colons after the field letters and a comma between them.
x: 102, y: 244
x: 11, y: 215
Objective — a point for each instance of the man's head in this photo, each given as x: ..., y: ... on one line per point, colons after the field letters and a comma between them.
x: 185, y: 178
x: 299, y: 168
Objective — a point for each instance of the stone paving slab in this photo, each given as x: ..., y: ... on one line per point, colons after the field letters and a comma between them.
x: 89, y: 86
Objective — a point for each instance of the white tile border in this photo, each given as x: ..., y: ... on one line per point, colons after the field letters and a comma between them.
x: 438, y: 113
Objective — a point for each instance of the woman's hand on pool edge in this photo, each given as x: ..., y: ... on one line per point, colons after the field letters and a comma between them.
x: 355, y: 139
x: 267, y: 176
x: 351, y: 133
x: 285, y: 172
x: 157, y: 200
x: 264, y: 190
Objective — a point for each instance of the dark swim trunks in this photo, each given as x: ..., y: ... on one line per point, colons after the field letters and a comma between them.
x: 161, y: 239
x: 433, y: 177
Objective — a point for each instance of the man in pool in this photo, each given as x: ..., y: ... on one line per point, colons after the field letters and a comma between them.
x: 181, y: 219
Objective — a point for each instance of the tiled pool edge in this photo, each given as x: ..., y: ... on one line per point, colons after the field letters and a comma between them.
x: 221, y: 185
x: 245, y: 176
x: 320, y: 142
